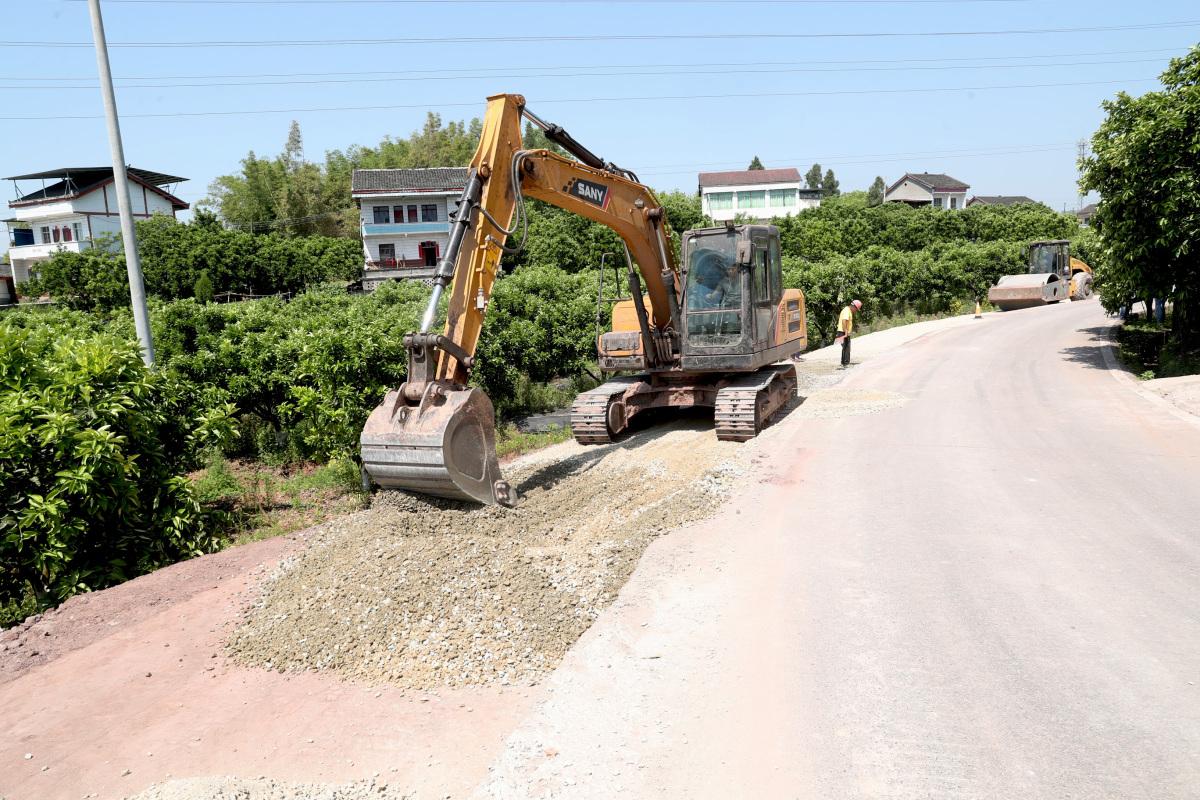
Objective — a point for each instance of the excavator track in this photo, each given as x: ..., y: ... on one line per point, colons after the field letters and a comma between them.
x: 746, y: 404
x: 594, y: 419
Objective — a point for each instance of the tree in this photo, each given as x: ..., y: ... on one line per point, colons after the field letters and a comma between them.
x: 1144, y: 166
x: 756, y: 164
x: 876, y: 193
x: 203, y: 290
x: 829, y: 185
x: 813, y: 177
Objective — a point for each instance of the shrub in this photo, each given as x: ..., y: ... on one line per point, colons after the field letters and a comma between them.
x: 93, y: 451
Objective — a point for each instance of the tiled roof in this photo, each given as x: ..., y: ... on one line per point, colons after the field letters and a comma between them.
x: 933, y: 181
x: 1002, y: 200
x: 743, y: 177
x: 427, y: 179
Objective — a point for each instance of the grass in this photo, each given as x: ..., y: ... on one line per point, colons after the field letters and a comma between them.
x: 252, y: 501
x: 511, y: 442
x: 1146, y: 348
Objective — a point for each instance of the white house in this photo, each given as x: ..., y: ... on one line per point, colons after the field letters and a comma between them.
x: 928, y: 189
x: 758, y: 194
x: 72, y: 206
x: 405, y: 219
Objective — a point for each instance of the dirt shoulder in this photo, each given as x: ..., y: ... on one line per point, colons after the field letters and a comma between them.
x: 1182, y: 392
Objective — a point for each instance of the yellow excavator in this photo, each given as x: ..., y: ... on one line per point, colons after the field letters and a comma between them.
x: 1054, y: 275
x: 709, y: 335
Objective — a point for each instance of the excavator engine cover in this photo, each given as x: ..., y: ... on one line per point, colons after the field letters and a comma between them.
x: 444, y: 446
x: 1026, y: 291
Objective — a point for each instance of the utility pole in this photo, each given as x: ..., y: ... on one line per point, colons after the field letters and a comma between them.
x: 1083, y: 151
x: 137, y: 290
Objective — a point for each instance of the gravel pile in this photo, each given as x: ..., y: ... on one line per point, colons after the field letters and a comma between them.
x: 426, y: 593
x: 266, y: 789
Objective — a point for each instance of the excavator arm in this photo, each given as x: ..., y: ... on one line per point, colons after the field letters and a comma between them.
x: 435, y: 434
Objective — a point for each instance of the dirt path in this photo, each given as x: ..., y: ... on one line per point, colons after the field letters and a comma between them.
x: 442, y: 618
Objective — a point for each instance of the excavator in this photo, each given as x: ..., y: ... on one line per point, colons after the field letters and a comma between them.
x: 707, y: 335
x: 1054, y: 275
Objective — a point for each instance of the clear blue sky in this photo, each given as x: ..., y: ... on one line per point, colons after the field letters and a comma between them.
x: 1001, y: 141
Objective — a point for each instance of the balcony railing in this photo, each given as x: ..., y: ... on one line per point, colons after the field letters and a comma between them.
x: 399, y: 263
x: 395, y: 228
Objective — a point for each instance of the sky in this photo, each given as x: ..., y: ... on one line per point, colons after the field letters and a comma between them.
x: 973, y: 88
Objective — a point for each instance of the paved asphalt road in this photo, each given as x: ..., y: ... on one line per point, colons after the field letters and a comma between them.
x: 989, y: 591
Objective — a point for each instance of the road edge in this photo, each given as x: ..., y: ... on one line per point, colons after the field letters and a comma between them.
x: 1122, y: 375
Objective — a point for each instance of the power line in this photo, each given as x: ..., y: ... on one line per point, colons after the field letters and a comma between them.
x: 561, y: 75
x: 605, y: 37
x: 660, y: 65
x: 831, y: 159
x: 476, y: 104
x: 549, y: 2
x: 827, y: 162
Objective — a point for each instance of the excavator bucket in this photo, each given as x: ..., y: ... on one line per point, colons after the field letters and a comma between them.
x: 1026, y: 291
x: 443, y: 446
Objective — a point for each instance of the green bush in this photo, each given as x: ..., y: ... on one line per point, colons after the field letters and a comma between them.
x: 93, y: 454
x: 197, y: 260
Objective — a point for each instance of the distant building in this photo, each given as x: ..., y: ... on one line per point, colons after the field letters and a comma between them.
x: 405, y: 219
x: 928, y: 189
x: 1086, y: 213
x: 758, y: 194
x: 1001, y: 200
x: 73, y: 206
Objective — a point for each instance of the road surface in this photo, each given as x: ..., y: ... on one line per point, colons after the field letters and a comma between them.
x: 988, y: 590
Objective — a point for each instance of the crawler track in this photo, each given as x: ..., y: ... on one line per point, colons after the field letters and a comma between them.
x: 745, y: 405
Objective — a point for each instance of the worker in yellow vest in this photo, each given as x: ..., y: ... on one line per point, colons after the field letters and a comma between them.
x: 845, y: 328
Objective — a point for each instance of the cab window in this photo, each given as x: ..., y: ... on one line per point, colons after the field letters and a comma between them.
x: 762, y: 273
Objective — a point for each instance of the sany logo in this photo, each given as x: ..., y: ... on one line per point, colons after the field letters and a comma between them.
x: 594, y: 193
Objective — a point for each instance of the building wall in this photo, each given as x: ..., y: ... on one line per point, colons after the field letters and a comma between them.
x: 445, y: 202
x: 407, y: 247
x: 405, y: 236
x: 767, y: 210
x: 909, y: 192
x: 951, y: 200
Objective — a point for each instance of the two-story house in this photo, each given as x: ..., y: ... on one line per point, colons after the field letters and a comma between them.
x: 756, y: 194
x: 73, y: 206
x: 405, y: 218
x: 928, y: 189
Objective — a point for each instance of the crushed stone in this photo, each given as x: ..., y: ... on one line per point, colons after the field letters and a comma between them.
x: 423, y: 593
x: 228, y: 788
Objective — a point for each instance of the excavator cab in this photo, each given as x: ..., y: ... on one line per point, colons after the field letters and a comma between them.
x: 737, y: 315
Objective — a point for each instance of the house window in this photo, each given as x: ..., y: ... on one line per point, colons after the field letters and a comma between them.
x: 54, y: 231
x: 782, y: 198
x: 45, y: 234
x: 387, y: 255
x: 66, y: 234
x: 937, y: 202
x: 752, y: 199
x: 954, y: 202
x: 78, y: 226
x: 429, y: 213
x: 720, y: 201
x: 398, y: 214
x: 412, y: 213
x: 380, y: 215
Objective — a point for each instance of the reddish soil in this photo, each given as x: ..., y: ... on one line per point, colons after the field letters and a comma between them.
x: 167, y: 703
